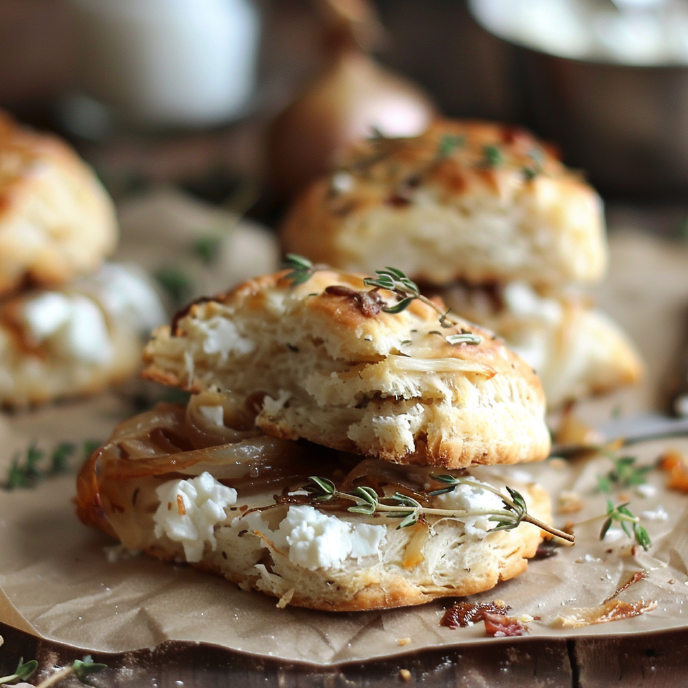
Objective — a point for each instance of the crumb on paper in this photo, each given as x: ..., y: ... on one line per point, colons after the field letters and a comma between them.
x: 671, y: 581
x: 570, y: 502
x: 526, y: 618
x: 558, y: 463
x: 405, y: 674
x: 286, y: 598
x: 646, y: 490
x: 658, y: 514
x: 403, y: 641
x: 115, y: 553
x: 587, y: 559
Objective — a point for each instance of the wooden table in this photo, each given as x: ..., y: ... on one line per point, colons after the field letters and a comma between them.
x: 656, y: 660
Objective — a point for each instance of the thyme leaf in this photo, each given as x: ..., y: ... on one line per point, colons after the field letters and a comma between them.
x: 493, y: 156
x: 206, y: 248
x: 301, y: 268
x: 176, y: 283
x: 23, y: 671
x: 450, y: 143
x: 629, y: 523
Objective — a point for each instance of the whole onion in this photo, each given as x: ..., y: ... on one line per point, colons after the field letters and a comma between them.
x: 352, y: 96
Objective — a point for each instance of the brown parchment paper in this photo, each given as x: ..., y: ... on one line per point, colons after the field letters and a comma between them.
x: 57, y: 580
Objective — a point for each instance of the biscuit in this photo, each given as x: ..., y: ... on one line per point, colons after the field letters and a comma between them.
x: 465, y: 200
x: 325, y: 362
x: 576, y: 350
x: 56, y: 220
x: 152, y: 486
x: 57, y: 343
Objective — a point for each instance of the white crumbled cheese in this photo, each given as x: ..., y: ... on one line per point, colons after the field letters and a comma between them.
x: 315, y: 540
x: 213, y: 414
x: 126, y: 291
x: 470, y: 498
x: 613, y: 534
x: 46, y: 313
x: 524, y: 302
x: 189, y: 511
x: 220, y: 336
x: 646, y: 490
x: 72, y: 323
x: 659, y: 514
x: 342, y: 182
x: 587, y: 559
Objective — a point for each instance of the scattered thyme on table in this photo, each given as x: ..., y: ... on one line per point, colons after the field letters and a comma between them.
x: 623, y: 516
x: 28, y: 467
x: 390, y: 279
x: 367, y: 501
x: 624, y: 474
x: 80, y: 668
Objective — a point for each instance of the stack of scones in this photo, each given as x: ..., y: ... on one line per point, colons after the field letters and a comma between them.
x: 488, y: 218
x: 69, y: 323
x: 340, y: 449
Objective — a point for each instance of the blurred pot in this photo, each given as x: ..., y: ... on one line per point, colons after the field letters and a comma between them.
x: 625, y: 125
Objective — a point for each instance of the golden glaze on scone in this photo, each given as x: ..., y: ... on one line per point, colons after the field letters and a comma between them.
x: 323, y: 367
x: 56, y: 220
x: 469, y: 200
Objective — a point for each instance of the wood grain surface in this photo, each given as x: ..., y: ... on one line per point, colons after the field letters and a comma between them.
x: 656, y: 660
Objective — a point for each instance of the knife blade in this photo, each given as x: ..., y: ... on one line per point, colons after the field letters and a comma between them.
x: 632, y: 429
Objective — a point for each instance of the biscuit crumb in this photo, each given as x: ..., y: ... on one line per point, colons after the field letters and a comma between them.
x: 671, y: 581
x: 285, y: 599
x: 570, y: 502
x: 500, y: 603
x: 405, y: 675
x: 403, y: 641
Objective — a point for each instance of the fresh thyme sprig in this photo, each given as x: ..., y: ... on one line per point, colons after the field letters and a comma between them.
x: 407, y: 291
x: 623, y: 516
x: 28, y: 468
x: 623, y: 474
x: 23, y: 671
x: 366, y: 501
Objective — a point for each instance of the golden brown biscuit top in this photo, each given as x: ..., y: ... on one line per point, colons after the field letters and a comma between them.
x: 452, y: 155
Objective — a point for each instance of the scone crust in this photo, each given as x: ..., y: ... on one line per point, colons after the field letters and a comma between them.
x: 56, y: 220
x: 469, y: 200
x: 383, y: 385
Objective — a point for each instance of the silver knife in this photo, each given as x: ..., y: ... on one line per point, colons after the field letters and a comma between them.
x: 632, y: 429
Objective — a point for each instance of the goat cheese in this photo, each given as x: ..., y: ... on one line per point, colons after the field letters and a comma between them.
x: 72, y: 323
x: 471, y: 498
x: 315, y: 540
x: 189, y: 511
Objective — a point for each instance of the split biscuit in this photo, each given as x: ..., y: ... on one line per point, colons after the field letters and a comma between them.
x: 323, y: 361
